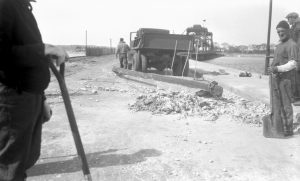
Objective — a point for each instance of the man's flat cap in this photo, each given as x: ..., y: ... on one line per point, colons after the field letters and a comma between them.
x: 292, y: 15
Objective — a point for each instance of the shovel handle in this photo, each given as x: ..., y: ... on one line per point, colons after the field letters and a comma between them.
x: 74, y: 128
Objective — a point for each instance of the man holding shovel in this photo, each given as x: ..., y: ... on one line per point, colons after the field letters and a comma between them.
x: 24, y: 75
x: 283, y: 83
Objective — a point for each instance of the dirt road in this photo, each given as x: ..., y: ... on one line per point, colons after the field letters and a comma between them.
x: 125, y: 145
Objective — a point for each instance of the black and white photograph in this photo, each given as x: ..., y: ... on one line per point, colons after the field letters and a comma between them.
x: 139, y: 90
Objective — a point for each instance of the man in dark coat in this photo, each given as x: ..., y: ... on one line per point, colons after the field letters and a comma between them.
x: 282, y: 81
x: 24, y: 75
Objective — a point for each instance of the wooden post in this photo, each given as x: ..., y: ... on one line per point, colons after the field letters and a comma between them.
x: 174, y: 56
x: 197, y: 51
x: 267, y: 62
x: 110, y: 42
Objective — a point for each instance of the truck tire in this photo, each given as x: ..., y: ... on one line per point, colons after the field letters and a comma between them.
x: 177, y: 67
x: 144, y: 63
x: 136, y: 61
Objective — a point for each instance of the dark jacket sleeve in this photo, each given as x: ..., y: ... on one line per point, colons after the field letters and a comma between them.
x: 29, y: 55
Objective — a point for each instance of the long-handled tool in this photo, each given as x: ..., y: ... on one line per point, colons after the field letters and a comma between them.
x: 274, y: 128
x: 74, y: 128
x: 267, y: 61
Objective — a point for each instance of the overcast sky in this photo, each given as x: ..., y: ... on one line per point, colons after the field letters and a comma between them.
x: 237, y: 22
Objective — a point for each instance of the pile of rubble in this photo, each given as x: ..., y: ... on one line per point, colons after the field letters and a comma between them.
x: 191, y: 104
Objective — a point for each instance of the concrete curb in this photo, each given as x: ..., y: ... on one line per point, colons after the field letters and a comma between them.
x: 185, y: 81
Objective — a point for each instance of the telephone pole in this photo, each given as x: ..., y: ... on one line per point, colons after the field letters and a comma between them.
x: 86, y: 42
x: 110, y: 42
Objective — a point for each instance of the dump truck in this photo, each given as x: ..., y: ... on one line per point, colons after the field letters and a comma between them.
x: 157, y: 48
x: 203, y: 43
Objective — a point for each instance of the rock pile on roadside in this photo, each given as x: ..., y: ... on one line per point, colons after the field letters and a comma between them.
x: 190, y: 104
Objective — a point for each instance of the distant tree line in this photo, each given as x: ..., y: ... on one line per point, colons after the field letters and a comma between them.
x: 244, y: 49
x: 90, y: 50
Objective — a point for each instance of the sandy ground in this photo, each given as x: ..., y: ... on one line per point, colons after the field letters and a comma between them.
x: 121, y: 144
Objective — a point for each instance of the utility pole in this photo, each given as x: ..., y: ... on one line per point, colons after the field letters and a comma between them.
x: 110, y: 42
x: 86, y: 42
x: 267, y: 62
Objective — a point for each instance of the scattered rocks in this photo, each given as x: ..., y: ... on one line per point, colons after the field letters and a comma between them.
x: 94, y: 91
x: 159, y: 101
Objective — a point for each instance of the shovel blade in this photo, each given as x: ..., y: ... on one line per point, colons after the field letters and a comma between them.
x: 269, y: 129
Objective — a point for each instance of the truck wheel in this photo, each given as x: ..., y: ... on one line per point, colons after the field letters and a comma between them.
x: 177, y: 67
x: 144, y: 63
x: 136, y: 61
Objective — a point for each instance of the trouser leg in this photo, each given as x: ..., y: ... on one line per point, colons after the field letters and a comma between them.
x: 297, y: 93
x: 276, y: 106
x: 125, y: 63
x: 286, y: 95
x: 20, y: 133
x: 121, y: 61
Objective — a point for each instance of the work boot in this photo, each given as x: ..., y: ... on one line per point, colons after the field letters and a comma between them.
x: 288, y: 131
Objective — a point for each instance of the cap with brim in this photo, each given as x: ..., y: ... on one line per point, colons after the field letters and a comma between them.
x: 283, y: 24
x: 292, y: 15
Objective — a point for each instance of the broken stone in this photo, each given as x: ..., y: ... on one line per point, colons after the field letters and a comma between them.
x: 94, y: 91
x: 161, y: 101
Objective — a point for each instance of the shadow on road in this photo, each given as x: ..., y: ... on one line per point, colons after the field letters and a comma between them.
x: 98, y: 159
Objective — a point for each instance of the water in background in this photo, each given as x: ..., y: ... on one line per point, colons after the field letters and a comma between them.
x: 255, y: 64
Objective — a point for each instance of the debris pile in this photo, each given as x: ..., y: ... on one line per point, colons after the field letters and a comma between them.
x: 191, y: 104
x: 95, y: 89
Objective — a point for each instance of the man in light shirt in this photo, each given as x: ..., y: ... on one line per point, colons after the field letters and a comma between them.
x: 283, y: 81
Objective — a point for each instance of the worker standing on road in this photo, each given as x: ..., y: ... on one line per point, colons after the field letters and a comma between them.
x: 294, y: 21
x: 122, y: 51
x: 24, y: 75
x: 282, y: 81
